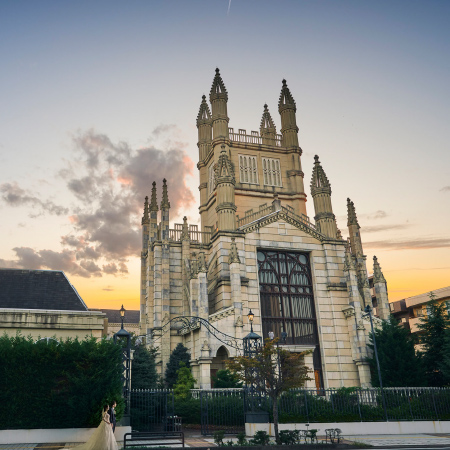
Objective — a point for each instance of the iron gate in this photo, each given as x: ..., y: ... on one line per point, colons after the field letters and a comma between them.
x: 152, y: 409
x: 222, y: 410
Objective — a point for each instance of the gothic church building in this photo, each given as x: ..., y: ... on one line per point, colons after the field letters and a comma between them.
x: 258, y: 249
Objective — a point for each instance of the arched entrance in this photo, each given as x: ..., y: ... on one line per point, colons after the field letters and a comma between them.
x: 218, y: 362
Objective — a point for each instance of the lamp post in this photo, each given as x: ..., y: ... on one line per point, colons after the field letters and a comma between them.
x: 123, y: 335
x: 368, y: 311
x: 252, y: 345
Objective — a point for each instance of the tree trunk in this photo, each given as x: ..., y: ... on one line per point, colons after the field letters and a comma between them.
x: 275, y: 418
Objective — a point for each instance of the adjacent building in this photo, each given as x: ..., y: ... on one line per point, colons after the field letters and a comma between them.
x: 257, y: 249
x: 44, y: 304
x: 410, y: 310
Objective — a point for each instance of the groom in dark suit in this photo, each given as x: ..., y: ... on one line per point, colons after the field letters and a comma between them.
x: 112, y: 415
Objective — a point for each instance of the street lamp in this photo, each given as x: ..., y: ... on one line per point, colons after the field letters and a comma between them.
x: 368, y: 311
x: 122, y: 314
x: 250, y: 317
x: 123, y: 335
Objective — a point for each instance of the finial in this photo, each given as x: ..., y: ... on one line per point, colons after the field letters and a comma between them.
x: 218, y: 89
x: 351, y: 214
x: 153, y: 201
x: 165, y: 196
x: 265, y: 106
x: 286, y: 100
x: 319, y: 180
x: 234, y: 255
x: 204, y: 97
x: 222, y: 149
x: 184, y: 230
x: 267, y: 124
x: 145, y: 217
x: 378, y: 276
x: 202, y: 267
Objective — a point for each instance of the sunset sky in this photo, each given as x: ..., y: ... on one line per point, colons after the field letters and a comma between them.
x: 99, y: 98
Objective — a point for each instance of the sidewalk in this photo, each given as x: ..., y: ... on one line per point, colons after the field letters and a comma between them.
x: 195, y: 439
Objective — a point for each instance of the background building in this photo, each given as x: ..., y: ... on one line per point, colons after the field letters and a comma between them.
x: 43, y: 304
x: 257, y: 249
x: 410, y: 310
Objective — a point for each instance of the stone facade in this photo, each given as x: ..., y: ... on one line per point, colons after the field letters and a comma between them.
x: 257, y: 249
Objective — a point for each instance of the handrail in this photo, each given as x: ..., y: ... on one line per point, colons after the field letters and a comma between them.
x: 253, y: 138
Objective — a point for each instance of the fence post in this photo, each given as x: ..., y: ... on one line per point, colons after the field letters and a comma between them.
x: 434, y: 404
x: 306, y: 406
x: 358, y: 393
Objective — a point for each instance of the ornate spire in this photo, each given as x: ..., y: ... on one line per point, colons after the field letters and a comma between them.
x: 224, y: 168
x: 153, y: 202
x: 267, y: 122
x: 319, y: 180
x: 184, y: 230
x: 218, y: 89
x: 204, y: 114
x: 233, y: 256
x: 145, y: 217
x: 378, y: 276
x: 286, y: 99
x: 202, y: 267
x: 165, y: 197
x: 351, y: 214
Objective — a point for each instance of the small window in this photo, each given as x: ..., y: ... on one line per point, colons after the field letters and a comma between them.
x: 211, y: 178
x: 248, y: 169
x: 272, y: 172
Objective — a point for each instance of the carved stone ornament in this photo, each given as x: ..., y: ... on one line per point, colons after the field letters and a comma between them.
x: 361, y: 325
x: 239, y: 322
x: 349, y: 311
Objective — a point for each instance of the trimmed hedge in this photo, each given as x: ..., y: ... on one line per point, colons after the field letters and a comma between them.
x: 58, y: 384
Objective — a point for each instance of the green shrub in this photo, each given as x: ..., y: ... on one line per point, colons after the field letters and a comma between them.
x: 69, y: 380
x: 260, y: 438
x: 218, y: 437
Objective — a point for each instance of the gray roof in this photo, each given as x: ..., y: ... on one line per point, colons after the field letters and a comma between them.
x: 113, y: 315
x: 38, y: 289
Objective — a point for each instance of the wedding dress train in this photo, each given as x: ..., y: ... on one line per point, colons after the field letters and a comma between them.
x: 102, y: 438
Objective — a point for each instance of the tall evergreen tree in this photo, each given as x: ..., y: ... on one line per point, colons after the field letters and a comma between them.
x: 433, y: 332
x: 143, y: 375
x: 180, y: 354
x: 400, y: 365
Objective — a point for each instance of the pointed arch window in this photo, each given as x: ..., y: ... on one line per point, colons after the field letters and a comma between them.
x: 286, y: 294
x: 248, y: 169
x: 272, y: 172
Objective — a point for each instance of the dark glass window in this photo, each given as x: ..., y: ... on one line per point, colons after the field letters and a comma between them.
x: 287, y: 300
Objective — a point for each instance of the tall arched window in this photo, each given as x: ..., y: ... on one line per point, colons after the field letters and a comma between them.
x: 287, y: 299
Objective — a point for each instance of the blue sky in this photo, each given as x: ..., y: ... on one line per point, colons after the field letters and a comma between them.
x: 371, y: 82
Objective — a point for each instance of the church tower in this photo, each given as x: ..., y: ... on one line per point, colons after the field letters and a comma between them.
x: 258, y: 250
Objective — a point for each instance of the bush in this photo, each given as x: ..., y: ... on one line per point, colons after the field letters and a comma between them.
x: 260, y: 438
x: 69, y: 380
x: 218, y: 437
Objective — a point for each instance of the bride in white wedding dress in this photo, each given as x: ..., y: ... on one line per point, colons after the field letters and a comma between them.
x: 103, y: 437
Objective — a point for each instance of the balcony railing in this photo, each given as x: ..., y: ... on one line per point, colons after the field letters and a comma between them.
x: 253, y: 138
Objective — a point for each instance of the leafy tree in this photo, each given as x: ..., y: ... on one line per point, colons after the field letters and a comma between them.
x: 400, y: 366
x: 180, y: 354
x: 225, y: 379
x: 433, y: 332
x: 185, y: 382
x: 143, y: 374
x: 271, y: 371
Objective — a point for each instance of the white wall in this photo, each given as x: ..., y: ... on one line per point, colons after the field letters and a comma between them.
x: 55, y: 435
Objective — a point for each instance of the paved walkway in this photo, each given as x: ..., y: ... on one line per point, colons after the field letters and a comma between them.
x: 197, y: 440
x: 389, y: 440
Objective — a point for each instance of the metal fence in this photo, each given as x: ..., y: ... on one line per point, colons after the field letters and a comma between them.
x: 365, y: 405
x: 223, y: 409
